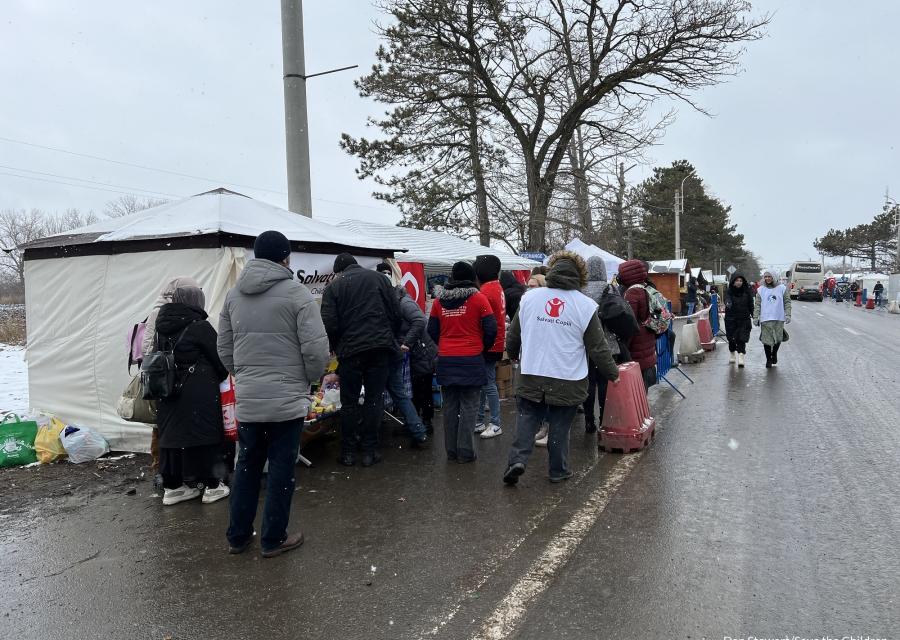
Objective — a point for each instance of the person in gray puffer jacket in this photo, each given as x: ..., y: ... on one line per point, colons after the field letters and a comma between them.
x: 596, y: 271
x: 271, y: 337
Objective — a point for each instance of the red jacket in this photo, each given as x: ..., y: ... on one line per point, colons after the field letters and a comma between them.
x: 493, y: 291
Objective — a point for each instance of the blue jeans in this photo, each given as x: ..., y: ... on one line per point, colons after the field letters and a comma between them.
x: 459, y: 421
x: 402, y: 402
x: 490, y: 392
x: 528, y: 423
x: 278, y: 442
x: 691, y: 306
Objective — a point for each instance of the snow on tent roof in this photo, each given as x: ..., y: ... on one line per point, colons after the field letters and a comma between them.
x: 434, y: 249
x: 585, y: 250
x: 668, y: 266
x: 216, y: 211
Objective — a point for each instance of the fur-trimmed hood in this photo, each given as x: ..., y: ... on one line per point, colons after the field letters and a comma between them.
x: 567, y: 271
x: 455, y: 297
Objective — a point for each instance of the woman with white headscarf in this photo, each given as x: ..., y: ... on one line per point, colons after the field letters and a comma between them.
x: 771, y: 312
x: 191, y: 431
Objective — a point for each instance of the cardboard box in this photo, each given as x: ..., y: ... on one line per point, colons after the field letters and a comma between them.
x: 504, y: 372
x: 505, y: 389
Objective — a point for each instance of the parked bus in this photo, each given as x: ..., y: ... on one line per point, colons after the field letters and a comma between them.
x: 805, y: 280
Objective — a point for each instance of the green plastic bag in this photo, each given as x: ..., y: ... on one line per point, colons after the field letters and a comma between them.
x: 17, y: 441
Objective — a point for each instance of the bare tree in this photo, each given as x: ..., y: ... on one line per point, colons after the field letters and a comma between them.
x: 18, y: 227
x: 128, y: 204
x: 617, y: 56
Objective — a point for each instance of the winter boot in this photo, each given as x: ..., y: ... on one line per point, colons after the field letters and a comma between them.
x: 731, y: 357
x: 768, y: 351
x: 775, y: 355
x: 740, y: 360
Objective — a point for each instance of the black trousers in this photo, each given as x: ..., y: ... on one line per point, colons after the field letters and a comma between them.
x: 734, y: 345
x: 596, y: 395
x: 423, y: 397
x: 369, y: 369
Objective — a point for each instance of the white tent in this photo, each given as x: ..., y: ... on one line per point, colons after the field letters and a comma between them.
x: 436, y: 250
x: 587, y: 250
x: 85, y: 290
x: 668, y: 266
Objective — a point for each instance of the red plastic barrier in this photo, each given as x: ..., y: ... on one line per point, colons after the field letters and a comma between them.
x: 870, y: 303
x: 704, y: 329
x: 627, y: 423
x: 858, y: 300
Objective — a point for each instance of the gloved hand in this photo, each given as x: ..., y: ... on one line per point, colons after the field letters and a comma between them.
x: 787, y: 320
x: 756, y: 323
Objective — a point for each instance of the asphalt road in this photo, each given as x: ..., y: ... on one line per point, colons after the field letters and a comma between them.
x: 768, y: 506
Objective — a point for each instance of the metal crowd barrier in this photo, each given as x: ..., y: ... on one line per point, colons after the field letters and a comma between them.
x: 664, y: 359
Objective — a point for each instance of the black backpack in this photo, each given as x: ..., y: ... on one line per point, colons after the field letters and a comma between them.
x: 423, y: 356
x: 617, y: 314
x: 159, y: 372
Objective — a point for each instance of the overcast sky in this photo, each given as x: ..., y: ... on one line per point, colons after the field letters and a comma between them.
x: 805, y: 138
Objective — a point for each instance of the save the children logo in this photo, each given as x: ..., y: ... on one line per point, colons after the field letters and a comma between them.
x: 555, y: 307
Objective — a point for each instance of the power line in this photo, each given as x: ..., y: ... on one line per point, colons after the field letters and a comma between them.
x: 138, y: 166
x: 68, y: 184
x: 174, y: 173
x: 104, y: 184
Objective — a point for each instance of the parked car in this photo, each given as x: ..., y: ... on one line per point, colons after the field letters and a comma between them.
x: 810, y: 292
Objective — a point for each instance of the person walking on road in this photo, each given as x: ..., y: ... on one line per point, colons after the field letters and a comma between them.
x: 738, y: 318
x: 271, y: 338
x: 487, y: 270
x: 554, y: 336
x: 463, y: 326
x: 771, y: 312
x: 412, y: 326
x: 362, y: 317
x: 878, y: 290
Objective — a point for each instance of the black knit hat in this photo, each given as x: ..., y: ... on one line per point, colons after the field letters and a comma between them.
x: 343, y: 261
x: 487, y: 267
x: 272, y: 245
x: 462, y: 271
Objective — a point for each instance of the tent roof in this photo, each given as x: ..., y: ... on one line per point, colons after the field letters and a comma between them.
x: 668, y: 266
x: 219, y: 211
x: 586, y: 251
x: 435, y: 249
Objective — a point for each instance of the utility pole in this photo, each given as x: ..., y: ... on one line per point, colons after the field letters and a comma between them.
x: 677, y: 229
x: 295, y: 119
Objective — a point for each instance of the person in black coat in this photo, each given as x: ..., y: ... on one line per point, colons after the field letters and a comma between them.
x: 191, y: 430
x: 738, y: 317
x: 512, y: 292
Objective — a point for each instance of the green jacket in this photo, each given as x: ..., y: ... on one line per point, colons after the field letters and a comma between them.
x: 564, y: 274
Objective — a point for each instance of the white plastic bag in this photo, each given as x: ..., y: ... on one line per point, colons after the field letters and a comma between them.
x: 83, y: 445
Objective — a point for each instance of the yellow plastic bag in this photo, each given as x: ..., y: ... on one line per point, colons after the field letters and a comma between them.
x: 48, y: 445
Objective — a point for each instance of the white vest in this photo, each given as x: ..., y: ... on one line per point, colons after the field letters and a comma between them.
x: 553, y: 322
x: 771, y: 305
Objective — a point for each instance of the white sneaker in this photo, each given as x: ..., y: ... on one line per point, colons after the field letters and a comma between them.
x: 541, y: 435
x: 492, y: 431
x: 731, y: 357
x: 182, y: 493
x: 480, y: 427
x: 541, y: 442
x: 211, y: 495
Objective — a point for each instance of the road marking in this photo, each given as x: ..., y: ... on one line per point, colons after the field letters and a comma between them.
x: 849, y: 330
x: 504, y: 620
x: 819, y: 314
x: 494, y: 563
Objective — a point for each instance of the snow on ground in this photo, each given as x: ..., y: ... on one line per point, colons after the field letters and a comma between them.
x: 13, y: 380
